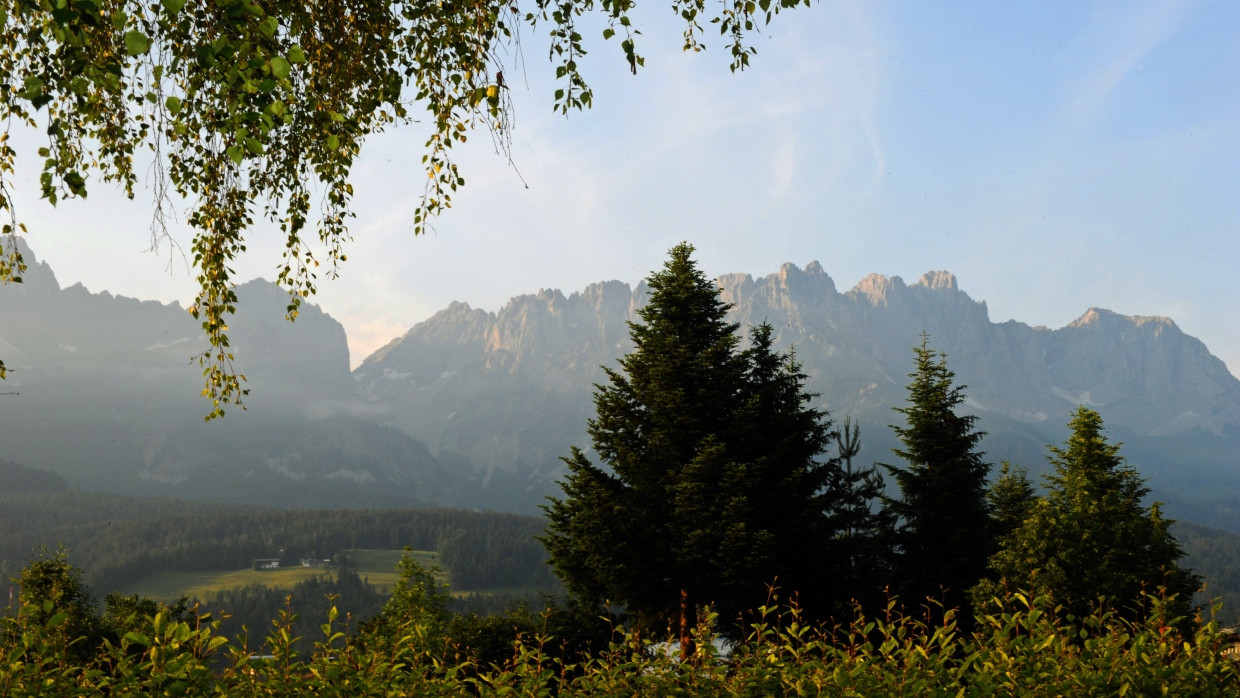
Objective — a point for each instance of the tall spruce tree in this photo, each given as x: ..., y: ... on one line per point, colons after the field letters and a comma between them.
x: 713, y: 484
x: 1091, y: 538
x: 945, y: 533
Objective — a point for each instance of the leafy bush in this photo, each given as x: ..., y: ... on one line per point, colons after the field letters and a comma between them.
x: 1026, y: 648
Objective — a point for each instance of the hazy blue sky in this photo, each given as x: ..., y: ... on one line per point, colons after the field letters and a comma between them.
x: 1054, y: 155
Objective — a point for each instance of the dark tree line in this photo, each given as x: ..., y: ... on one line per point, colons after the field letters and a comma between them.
x: 17, y: 478
x: 120, y: 540
x: 256, y: 611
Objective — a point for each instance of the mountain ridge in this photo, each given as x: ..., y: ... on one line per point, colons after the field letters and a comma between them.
x: 1147, y: 376
x: 476, y: 407
x: 109, y: 397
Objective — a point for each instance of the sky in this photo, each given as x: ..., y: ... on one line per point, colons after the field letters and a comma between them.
x: 1055, y: 156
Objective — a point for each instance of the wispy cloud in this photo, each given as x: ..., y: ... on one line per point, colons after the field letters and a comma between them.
x: 1128, y: 40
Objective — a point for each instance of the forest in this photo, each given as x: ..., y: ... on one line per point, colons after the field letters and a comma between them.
x: 119, y: 540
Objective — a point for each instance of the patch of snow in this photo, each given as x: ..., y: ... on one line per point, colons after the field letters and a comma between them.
x: 68, y: 347
x: 971, y: 402
x: 280, y: 466
x: 360, y: 477
x: 162, y: 478
x: 1082, y: 399
x: 164, y: 345
x: 393, y: 375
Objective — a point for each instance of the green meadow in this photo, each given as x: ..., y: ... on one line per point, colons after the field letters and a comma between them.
x: 375, y: 566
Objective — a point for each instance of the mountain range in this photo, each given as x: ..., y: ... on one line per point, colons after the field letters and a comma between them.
x: 474, y: 408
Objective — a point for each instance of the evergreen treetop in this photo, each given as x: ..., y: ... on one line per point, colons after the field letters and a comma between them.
x: 1091, y: 539
x: 945, y: 529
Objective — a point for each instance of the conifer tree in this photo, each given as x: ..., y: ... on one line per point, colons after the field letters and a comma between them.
x: 827, y: 540
x: 1091, y: 537
x: 641, y: 533
x: 863, y: 533
x: 945, y: 533
x: 1011, y: 498
x: 713, y: 484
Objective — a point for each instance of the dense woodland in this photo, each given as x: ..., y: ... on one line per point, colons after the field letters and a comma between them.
x: 119, y: 540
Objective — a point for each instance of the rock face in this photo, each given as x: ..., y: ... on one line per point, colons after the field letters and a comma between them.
x: 109, y: 399
x: 504, y: 394
x: 1142, y: 373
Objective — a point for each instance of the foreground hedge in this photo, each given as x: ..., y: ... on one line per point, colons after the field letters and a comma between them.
x: 1024, y: 648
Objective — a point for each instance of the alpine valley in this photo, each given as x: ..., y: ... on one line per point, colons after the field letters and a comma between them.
x: 474, y: 408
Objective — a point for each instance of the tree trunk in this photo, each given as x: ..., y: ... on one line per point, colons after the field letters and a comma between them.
x: 688, y: 618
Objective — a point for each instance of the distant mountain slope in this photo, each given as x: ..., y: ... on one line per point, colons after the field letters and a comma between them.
x: 477, y: 407
x: 18, y: 478
x: 109, y: 399
x: 504, y: 394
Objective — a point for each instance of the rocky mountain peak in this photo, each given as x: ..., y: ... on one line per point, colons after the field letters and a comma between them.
x: 935, y: 280
x: 1101, y: 318
x: 812, y: 281
x: 606, y: 294
x: 878, y: 289
x: 38, y: 277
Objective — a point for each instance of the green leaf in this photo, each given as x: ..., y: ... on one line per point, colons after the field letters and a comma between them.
x: 333, y: 142
x: 174, y: 105
x: 608, y: 33
x: 296, y: 55
x: 269, y: 26
x: 34, y: 87
x: 234, y: 153
x: 136, y: 43
x: 173, y: 7
x: 76, y: 183
x: 118, y: 20
x: 138, y: 638
x: 279, y: 67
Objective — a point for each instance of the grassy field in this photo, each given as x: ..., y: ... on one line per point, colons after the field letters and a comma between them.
x: 376, y: 566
